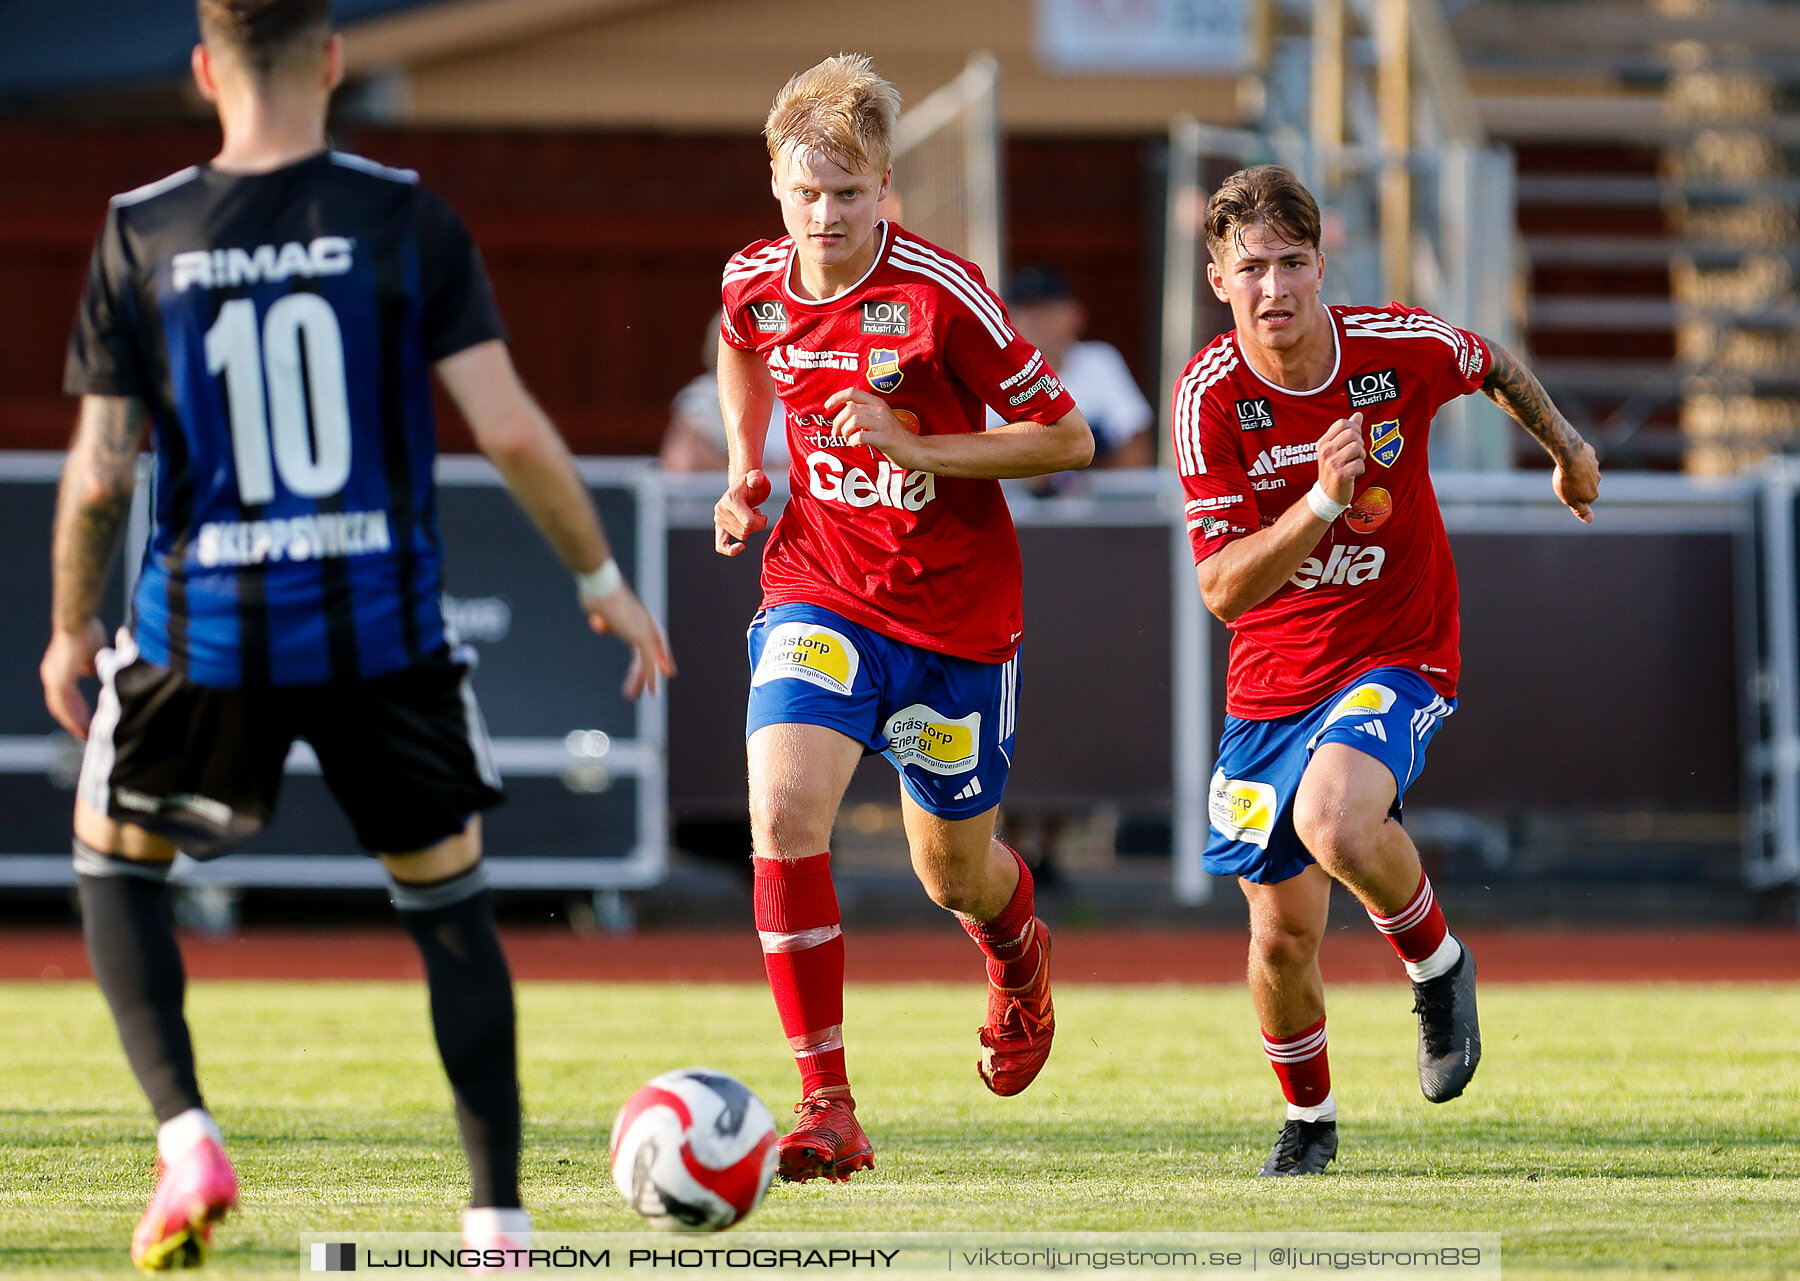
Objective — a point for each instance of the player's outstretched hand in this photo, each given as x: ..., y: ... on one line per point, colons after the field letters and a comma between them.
x: 863, y: 418
x: 735, y: 515
x: 1577, y: 483
x: 621, y: 613
x: 1342, y: 458
x: 69, y: 658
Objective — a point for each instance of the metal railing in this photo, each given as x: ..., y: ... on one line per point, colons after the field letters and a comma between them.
x: 1417, y: 205
x: 948, y: 167
x: 1643, y: 509
x: 1466, y: 256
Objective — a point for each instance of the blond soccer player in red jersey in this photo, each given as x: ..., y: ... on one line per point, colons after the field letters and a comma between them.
x: 1300, y: 437
x: 891, y: 584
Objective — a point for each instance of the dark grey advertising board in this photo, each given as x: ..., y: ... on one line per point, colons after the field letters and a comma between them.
x: 1605, y: 669
x: 583, y: 765
x: 1601, y: 666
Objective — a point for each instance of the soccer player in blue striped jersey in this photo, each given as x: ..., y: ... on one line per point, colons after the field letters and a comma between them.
x: 273, y: 318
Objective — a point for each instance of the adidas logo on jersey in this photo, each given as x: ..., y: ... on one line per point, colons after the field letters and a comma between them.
x: 830, y: 481
x: 1348, y: 566
x: 970, y: 792
x: 1278, y: 456
x: 1373, y: 727
x: 227, y: 268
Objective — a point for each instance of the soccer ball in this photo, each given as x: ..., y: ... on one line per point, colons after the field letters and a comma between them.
x: 693, y: 1151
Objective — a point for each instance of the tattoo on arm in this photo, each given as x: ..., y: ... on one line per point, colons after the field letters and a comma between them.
x: 92, y: 504
x: 1513, y: 387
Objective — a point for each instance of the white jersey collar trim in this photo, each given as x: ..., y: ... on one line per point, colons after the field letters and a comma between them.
x: 787, y: 273
x: 1337, y: 362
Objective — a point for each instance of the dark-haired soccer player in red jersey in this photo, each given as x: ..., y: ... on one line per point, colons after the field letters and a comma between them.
x: 891, y: 585
x: 1300, y: 437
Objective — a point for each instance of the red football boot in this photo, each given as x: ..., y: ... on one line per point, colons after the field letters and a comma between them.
x: 827, y: 1142
x: 1021, y: 1022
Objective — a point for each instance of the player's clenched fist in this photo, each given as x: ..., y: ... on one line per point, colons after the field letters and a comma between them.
x: 1577, y: 482
x: 736, y: 515
x: 1342, y: 458
x: 863, y: 418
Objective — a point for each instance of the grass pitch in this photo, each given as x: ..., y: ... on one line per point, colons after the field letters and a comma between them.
x: 1614, y: 1129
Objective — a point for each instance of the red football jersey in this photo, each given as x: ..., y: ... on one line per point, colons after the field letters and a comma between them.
x: 1380, y: 588
x: 929, y: 560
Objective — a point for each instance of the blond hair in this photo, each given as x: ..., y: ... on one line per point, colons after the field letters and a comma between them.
x: 841, y: 108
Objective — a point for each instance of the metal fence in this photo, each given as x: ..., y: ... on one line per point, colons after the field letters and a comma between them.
x: 948, y: 167
x: 1464, y: 251
x: 1769, y: 625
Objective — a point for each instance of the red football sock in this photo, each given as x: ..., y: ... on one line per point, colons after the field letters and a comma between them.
x: 1010, y: 940
x: 1418, y: 929
x: 1301, y: 1065
x: 803, y: 954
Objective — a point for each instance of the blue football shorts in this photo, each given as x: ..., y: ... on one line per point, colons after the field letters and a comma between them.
x: 945, y: 723
x: 1390, y: 713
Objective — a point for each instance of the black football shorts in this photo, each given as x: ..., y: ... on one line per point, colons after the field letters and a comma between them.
x: 405, y: 754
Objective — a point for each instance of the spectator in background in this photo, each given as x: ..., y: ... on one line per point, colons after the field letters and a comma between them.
x: 1047, y: 314
x: 695, y: 439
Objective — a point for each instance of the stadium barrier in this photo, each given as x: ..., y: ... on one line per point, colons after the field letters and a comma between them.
x: 1630, y: 666
x: 585, y: 768
x: 1595, y: 680
x: 1770, y: 631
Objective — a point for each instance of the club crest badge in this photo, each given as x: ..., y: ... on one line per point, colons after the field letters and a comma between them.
x: 884, y: 369
x: 1385, y: 442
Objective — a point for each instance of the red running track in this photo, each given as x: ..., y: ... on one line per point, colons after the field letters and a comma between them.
x: 946, y: 955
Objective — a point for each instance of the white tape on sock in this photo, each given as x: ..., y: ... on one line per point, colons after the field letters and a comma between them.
x: 1323, y: 1111
x: 179, y: 1135
x: 1440, y: 962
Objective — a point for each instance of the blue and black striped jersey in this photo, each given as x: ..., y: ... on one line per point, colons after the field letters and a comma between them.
x: 281, y: 327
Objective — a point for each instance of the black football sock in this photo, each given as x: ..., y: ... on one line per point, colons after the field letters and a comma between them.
x: 452, y: 921
x: 137, y: 964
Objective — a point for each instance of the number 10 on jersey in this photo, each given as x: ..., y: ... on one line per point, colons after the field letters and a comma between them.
x: 273, y: 377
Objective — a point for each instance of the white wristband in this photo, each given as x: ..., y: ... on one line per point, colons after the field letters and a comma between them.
x: 599, y: 583
x: 1322, y: 504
